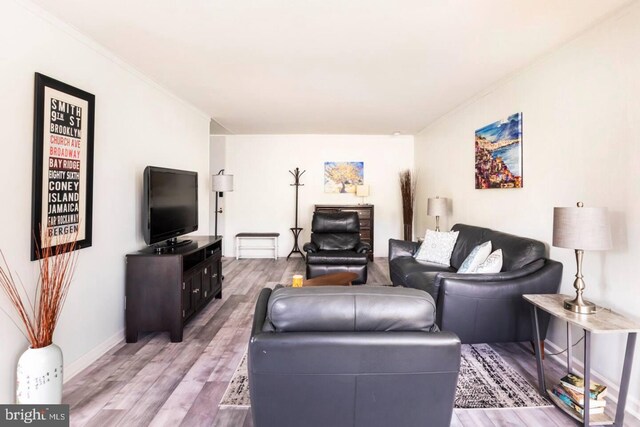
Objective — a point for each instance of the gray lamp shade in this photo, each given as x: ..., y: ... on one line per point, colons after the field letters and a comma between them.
x: 222, y: 183
x: 437, y: 206
x: 581, y: 228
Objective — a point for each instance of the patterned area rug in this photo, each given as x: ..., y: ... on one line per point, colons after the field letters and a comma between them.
x: 486, y: 381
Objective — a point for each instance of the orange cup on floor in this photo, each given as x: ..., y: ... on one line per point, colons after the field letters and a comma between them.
x: 297, y: 281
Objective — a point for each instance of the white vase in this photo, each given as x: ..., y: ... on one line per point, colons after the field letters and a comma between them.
x: 39, y: 376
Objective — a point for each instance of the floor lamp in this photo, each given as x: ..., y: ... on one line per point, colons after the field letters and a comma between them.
x: 220, y: 183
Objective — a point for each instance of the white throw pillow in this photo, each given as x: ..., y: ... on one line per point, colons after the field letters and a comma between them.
x: 437, y: 247
x: 475, y: 258
x: 493, y: 263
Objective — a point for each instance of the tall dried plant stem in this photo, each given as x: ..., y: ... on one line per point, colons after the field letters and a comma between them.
x: 57, y: 266
x: 408, y: 192
x: 10, y: 289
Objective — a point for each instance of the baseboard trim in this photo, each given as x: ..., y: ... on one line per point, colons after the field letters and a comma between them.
x: 84, y: 361
x: 633, y: 404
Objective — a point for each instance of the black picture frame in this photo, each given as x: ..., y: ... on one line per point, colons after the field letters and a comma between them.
x: 64, y: 118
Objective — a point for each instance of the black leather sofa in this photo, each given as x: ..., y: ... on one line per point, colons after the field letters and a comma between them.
x: 350, y: 356
x: 481, y: 307
x: 336, y: 247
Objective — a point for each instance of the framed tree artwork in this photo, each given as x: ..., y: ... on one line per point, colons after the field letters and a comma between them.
x: 62, y: 165
x: 343, y: 177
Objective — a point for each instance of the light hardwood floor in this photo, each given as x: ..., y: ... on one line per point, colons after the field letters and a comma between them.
x: 160, y: 383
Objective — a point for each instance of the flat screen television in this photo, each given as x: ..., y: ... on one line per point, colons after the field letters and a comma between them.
x: 170, y: 205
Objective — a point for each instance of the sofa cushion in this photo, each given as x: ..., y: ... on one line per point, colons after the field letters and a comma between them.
x: 493, y: 263
x: 437, y: 247
x: 477, y: 256
x: 425, y: 281
x: 516, y: 251
x: 349, y: 309
x: 337, y: 258
x: 469, y: 238
x: 402, y: 267
x: 335, y: 241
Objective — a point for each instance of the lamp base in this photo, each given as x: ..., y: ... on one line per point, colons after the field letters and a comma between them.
x: 580, y: 306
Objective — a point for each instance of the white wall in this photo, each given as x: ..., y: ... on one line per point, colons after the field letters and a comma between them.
x: 263, y: 199
x: 217, y: 148
x: 137, y: 124
x: 581, y: 127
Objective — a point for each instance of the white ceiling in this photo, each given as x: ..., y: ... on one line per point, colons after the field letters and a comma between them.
x: 329, y: 66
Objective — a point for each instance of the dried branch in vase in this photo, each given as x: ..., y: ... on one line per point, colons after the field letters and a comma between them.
x: 40, y: 316
x: 408, y: 192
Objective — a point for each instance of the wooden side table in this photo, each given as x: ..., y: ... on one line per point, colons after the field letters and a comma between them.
x: 604, y: 321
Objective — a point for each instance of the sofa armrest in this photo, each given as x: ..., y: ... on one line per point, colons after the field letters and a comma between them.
x: 260, y: 312
x: 490, y: 308
x: 398, y: 248
x: 490, y: 277
x: 363, y: 248
x: 310, y: 247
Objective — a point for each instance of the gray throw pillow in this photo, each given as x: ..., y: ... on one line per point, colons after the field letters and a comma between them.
x: 475, y: 258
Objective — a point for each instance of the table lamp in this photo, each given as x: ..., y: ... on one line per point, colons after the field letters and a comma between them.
x: 437, y: 207
x: 362, y: 191
x: 581, y: 229
x: 220, y: 183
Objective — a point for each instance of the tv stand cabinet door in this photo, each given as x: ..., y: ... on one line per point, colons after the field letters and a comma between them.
x: 153, y: 296
x: 216, y: 276
x: 192, y: 291
x: 207, y: 273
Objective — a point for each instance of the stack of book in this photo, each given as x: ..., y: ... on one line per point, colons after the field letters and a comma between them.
x: 571, y: 392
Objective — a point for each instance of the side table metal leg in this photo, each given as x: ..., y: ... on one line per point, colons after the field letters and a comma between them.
x: 624, y: 382
x: 569, y: 349
x: 536, y: 337
x: 587, y: 376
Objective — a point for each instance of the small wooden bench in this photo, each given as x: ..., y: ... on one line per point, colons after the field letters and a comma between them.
x: 250, y: 238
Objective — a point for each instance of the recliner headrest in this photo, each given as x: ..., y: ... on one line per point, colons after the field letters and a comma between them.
x: 350, y: 309
x: 335, y: 222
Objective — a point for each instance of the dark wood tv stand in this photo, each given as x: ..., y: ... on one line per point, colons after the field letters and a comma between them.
x: 163, y: 291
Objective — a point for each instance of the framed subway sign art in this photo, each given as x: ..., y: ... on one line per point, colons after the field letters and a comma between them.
x: 62, y: 165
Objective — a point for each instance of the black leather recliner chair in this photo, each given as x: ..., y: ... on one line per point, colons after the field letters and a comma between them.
x: 335, y: 246
x: 350, y: 356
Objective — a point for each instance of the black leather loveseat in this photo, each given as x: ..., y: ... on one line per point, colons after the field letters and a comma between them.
x: 350, y: 356
x: 481, y: 307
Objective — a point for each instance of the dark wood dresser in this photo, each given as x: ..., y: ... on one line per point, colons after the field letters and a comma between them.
x: 365, y: 213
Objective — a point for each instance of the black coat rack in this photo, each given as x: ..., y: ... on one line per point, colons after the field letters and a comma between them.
x: 296, y: 230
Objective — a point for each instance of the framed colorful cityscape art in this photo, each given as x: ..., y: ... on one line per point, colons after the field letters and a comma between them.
x: 342, y: 177
x: 499, y: 154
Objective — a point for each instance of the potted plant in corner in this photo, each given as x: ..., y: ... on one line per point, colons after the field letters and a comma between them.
x: 408, y: 192
x: 39, y: 370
